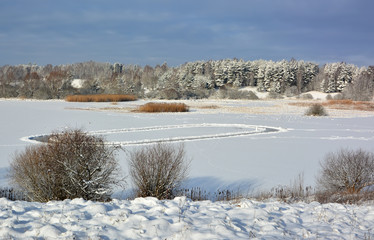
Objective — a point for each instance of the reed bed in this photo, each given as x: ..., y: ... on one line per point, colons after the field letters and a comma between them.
x: 349, y: 104
x: 163, y: 107
x: 341, y: 104
x: 101, y: 98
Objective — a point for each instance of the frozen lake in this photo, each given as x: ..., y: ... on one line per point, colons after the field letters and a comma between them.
x: 227, y: 148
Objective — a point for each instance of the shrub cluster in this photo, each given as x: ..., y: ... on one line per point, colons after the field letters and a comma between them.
x: 163, y: 107
x: 100, y: 98
x: 72, y: 164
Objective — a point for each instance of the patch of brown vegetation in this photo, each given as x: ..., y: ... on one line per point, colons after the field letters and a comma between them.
x: 209, y: 106
x: 100, y: 98
x: 341, y: 105
x: 163, y: 107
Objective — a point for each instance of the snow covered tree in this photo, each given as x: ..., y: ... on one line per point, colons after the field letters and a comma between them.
x: 71, y: 164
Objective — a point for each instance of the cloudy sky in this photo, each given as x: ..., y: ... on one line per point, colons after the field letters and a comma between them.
x: 157, y: 31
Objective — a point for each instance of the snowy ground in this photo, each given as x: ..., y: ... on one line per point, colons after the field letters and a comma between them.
x: 224, y: 139
x: 149, y: 218
x: 229, y: 149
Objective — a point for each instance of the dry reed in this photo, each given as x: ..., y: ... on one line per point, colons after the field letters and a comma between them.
x: 163, y: 107
x: 341, y: 104
x: 100, y: 98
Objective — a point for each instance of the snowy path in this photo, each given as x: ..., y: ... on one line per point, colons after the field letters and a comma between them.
x: 149, y: 218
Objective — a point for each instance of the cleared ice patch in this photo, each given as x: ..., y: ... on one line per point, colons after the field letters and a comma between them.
x: 174, y: 133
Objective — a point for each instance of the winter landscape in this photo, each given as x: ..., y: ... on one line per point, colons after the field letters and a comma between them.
x: 246, y: 146
x: 186, y: 119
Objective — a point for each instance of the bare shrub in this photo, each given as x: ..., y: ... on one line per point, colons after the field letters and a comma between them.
x: 72, y: 164
x: 100, y: 98
x: 158, y: 170
x: 163, y: 107
x: 316, y: 110
x: 346, y: 171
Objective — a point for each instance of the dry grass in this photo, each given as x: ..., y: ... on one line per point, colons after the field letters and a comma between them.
x: 163, y: 107
x: 349, y: 104
x: 341, y: 105
x: 100, y: 98
x: 209, y: 106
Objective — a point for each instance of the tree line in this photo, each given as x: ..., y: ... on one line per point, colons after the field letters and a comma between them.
x: 200, y: 79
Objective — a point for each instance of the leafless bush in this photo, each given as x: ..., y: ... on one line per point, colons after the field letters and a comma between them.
x: 72, y: 164
x: 346, y: 171
x: 158, y: 170
x: 316, y: 110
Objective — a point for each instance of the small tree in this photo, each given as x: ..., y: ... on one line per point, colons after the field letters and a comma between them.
x: 158, y: 170
x: 346, y: 171
x: 72, y: 164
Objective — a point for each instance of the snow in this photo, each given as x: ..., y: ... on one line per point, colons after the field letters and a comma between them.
x: 77, y: 83
x: 263, y: 95
x: 222, y: 137
x: 228, y: 148
x: 180, y: 218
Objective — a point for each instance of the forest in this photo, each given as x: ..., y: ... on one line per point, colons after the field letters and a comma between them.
x: 192, y: 80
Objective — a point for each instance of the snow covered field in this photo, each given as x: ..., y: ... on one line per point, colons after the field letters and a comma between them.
x: 226, y: 140
x: 229, y: 148
x: 149, y: 218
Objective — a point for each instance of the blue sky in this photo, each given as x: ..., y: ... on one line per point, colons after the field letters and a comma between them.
x: 157, y: 31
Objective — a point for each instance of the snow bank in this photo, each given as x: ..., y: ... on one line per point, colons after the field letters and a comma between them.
x: 149, y: 218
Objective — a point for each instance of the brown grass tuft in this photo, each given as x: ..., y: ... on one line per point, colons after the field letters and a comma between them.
x: 163, y: 107
x: 100, y: 98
